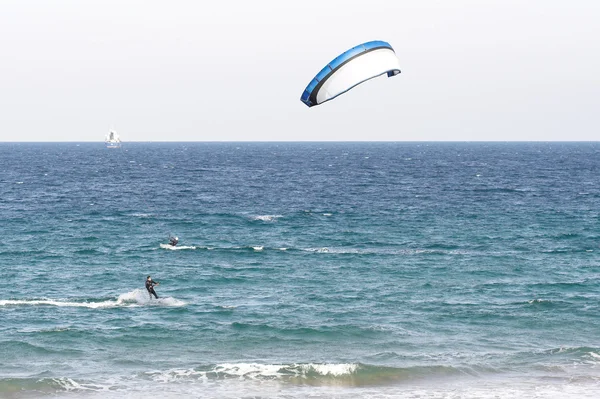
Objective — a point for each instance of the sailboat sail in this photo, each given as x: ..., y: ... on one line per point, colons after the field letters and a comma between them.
x: 113, y: 140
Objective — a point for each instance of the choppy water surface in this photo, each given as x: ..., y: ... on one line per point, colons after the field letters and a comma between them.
x: 413, y: 270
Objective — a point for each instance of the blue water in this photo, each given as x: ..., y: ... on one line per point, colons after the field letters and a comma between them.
x: 412, y: 270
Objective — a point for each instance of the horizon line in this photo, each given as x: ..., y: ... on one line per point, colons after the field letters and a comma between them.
x: 300, y: 141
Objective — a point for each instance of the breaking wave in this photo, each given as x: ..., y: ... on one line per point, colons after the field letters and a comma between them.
x: 349, y: 374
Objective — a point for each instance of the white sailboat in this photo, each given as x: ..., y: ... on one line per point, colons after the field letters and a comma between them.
x: 113, y: 140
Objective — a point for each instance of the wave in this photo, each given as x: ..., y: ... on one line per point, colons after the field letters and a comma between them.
x: 593, y: 357
x: 352, y: 374
x: 266, y: 218
x: 46, y: 385
x: 502, y: 190
x: 388, y: 251
x: 578, y: 355
x: 349, y: 374
x: 542, y: 302
x: 142, y: 215
x: 25, y: 348
x: 334, y: 250
x: 137, y: 297
x: 419, y: 381
x: 88, y: 251
x: 191, y: 383
x: 172, y: 248
x: 563, y: 251
x: 562, y: 360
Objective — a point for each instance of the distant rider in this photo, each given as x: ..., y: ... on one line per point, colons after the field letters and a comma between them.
x: 173, y: 241
x: 150, y: 287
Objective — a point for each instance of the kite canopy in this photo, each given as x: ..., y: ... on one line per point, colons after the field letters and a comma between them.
x: 355, y: 66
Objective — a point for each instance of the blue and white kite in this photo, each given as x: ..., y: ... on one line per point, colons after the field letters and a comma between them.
x: 350, y: 69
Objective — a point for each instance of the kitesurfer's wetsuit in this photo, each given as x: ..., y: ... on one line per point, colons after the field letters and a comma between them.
x: 150, y: 287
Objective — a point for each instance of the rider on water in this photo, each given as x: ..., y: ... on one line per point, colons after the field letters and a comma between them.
x: 173, y: 241
x: 150, y: 287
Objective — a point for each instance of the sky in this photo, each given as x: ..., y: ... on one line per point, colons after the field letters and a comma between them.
x: 234, y: 70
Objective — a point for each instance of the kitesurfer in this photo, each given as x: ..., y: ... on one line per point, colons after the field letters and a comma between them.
x: 173, y: 241
x: 150, y: 287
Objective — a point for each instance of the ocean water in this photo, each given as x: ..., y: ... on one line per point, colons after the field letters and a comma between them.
x: 304, y: 270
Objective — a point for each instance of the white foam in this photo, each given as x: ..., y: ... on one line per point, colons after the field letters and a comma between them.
x: 331, y: 369
x: 534, y: 301
x: 385, y: 251
x: 320, y: 250
x: 258, y: 248
x: 188, y: 382
x: 51, y: 302
x: 141, y: 215
x: 593, y: 358
x: 267, y: 218
x: 172, y: 248
x: 43, y: 330
x: 175, y: 374
x: 256, y: 371
x: 494, y: 391
x: 69, y: 384
x: 137, y: 297
x: 249, y: 370
x: 140, y: 297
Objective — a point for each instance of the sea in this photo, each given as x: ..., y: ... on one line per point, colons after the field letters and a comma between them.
x: 432, y: 270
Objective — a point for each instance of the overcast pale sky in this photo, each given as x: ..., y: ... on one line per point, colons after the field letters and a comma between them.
x: 235, y: 70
